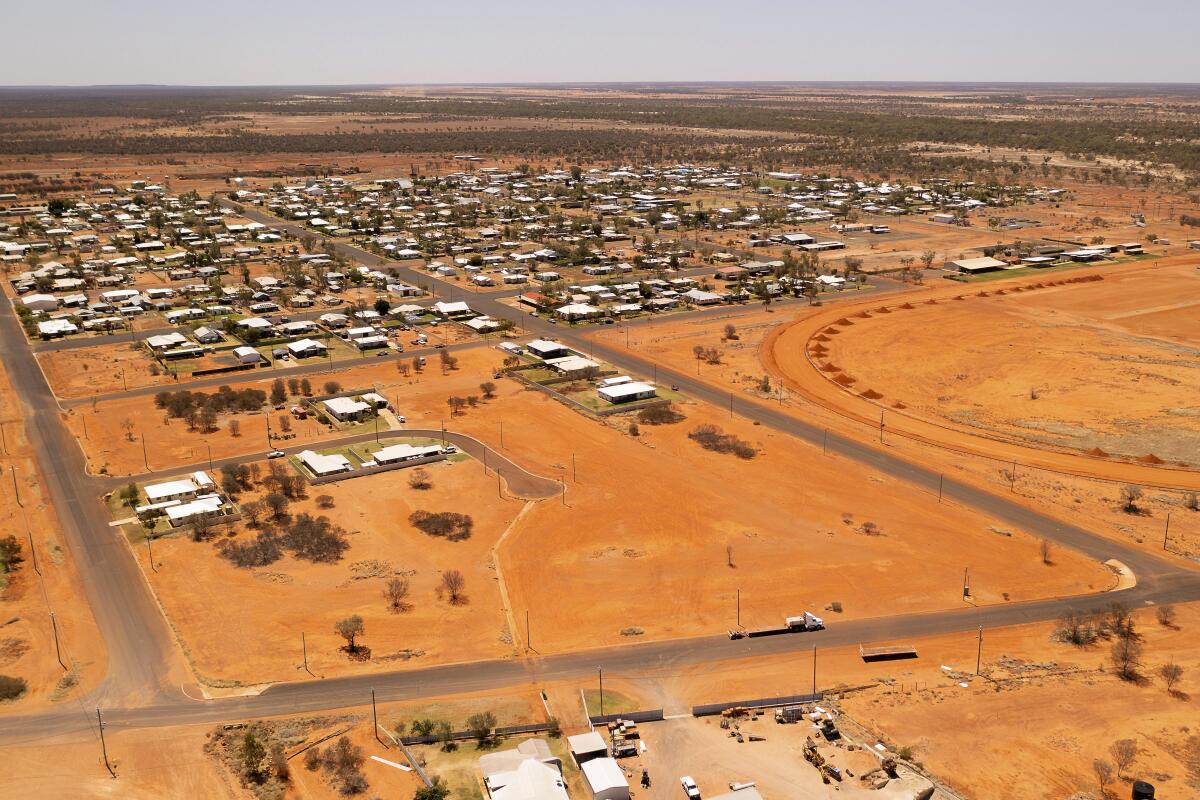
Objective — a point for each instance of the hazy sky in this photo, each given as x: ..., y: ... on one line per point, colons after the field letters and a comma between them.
x: 259, y: 42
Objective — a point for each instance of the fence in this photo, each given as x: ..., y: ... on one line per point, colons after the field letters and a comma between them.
x: 765, y: 702
x: 653, y: 715
x: 458, y: 736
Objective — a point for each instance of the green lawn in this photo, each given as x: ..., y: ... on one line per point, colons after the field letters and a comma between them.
x: 614, y: 702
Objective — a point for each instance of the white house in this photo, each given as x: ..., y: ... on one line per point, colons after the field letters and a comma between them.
x: 53, y: 328
x: 404, y: 452
x: 346, y: 408
x: 576, y: 311
x: 40, y: 302
x: 546, y: 349
x: 166, y: 341
x: 209, y: 505
x: 303, y: 348
x: 321, y: 465
x: 457, y: 309
x: 627, y: 392
x: 247, y: 355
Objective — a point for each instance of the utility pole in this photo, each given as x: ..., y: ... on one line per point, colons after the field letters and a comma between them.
x: 443, y: 432
x: 57, y: 646
x: 33, y: 551
x: 941, y: 480
x: 501, y: 434
x: 574, y: 473
x: 1166, y: 530
x: 375, y: 717
x: 601, y: 671
x: 979, y: 650
x: 966, y: 582
x: 103, y: 746
x: 210, y: 466
x: 731, y: 405
x: 814, y: 687
x: 145, y: 455
x: 267, y: 417
x: 304, y: 652
x: 1012, y: 477
x: 825, y: 443
x: 564, y: 491
x: 499, y: 488
x: 881, y: 426
x: 739, y: 608
x: 150, y: 551
x: 16, y: 489
x: 528, y: 637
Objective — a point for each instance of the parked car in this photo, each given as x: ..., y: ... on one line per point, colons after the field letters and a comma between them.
x: 276, y: 454
x: 689, y: 787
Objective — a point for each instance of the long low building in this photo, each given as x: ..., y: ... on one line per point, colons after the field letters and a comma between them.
x: 976, y: 265
x: 209, y: 505
x: 321, y: 464
x: 404, y: 452
x: 627, y: 392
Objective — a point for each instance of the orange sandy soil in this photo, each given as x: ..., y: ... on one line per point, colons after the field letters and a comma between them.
x: 26, y: 633
x: 784, y: 353
x: 1033, y: 724
x: 243, y: 625
x: 98, y: 370
x: 654, y: 515
x: 150, y: 764
x: 422, y: 399
x: 1113, y: 363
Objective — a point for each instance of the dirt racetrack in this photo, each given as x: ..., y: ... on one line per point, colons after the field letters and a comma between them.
x: 993, y: 329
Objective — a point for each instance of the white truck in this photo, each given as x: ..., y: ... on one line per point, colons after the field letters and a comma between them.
x: 805, y: 622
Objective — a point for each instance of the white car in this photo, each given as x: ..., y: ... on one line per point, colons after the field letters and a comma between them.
x: 276, y: 454
x: 689, y: 787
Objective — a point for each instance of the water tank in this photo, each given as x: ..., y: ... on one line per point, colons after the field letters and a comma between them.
x: 1142, y: 791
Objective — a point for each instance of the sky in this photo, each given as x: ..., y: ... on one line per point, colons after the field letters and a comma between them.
x: 339, y: 42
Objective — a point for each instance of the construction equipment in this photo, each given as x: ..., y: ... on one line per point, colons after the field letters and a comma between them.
x: 789, y: 714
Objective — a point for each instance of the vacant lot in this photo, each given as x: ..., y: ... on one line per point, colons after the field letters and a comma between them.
x: 101, y: 369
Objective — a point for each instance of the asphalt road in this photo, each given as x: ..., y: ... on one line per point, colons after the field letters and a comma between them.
x: 140, y: 644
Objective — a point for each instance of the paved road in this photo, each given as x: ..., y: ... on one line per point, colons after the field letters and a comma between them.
x: 140, y: 644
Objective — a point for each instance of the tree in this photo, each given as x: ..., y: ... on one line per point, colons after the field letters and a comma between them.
x: 489, y: 390
x: 382, y: 306
x: 253, y: 511
x: 10, y: 553
x: 419, y: 479
x: 1104, y: 775
x: 435, y: 792
x: 332, y: 387
x: 396, y: 593
x: 1166, y: 616
x: 350, y: 629
x: 453, y: 584
x: 730, y: 332
x: 1171, y: 673
x: 278, y: 392
x: 293, y: 386
x: 481, y: 725
x: 445, y: 735
x: 235, y: 428
x: 285, y: 423
x: 1123, y: 752
x: 305, y: 387
x: 130, y: 494
x: 418, y: 364
x: 1130, y: 494
x: 253, y: 753
x: 927, y: 258
x: 127, y: 426
x: 277, y: 504
x: 1126, y: 657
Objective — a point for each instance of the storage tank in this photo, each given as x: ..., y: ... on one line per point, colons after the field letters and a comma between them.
x: 1143, y: 791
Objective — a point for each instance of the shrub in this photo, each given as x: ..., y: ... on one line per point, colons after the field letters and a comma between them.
x: 262, y: 551
x: 315, y: 539
x: 710, y: 437
x: 448, y: 524
x: 11, y: 687
x: 662, y: 414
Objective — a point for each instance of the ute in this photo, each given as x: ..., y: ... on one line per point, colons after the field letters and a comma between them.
x: 689, y: 787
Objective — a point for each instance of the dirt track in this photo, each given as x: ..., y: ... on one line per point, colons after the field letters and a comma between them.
x: 786, y: 353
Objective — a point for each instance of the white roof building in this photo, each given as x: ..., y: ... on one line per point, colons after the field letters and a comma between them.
x: 344, y: 408
x: 404, y: 452
x: 605, y: 779
x: 321, y: 464
x: 451, y: 309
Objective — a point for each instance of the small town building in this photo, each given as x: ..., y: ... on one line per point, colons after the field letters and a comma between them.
x: 604, y: 779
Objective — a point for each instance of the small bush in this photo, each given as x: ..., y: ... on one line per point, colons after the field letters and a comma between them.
x: 11, y: 687
x: 710, y: 437
x: 662, y: 414
x: 447, y: 524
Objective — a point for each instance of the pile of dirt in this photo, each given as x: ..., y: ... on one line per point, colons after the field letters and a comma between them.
x: 820, y: 337
x: 843, y: 379
x: 831, y: 367
x: 907, y: 305
x: 843, y: 322
x: 1097, y: 452
x: 870, y: 394
x: 1149, y: 458
x: 899, y: 406
x: 882, y: 310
